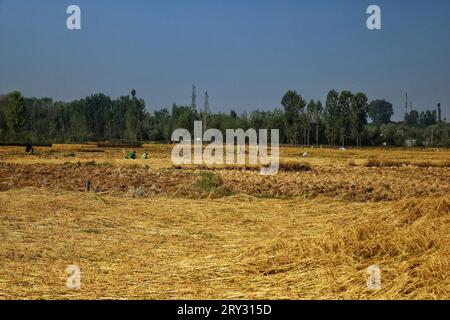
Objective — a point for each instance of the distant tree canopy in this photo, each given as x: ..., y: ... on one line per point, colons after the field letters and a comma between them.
x: 412, y: 118
x: 293, y: 105
x: 15, y: 114
x: 380, y: 111
x: 342, y: 120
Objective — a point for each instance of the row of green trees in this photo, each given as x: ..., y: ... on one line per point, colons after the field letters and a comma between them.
x: 96, y: 117
x: 342, y: 120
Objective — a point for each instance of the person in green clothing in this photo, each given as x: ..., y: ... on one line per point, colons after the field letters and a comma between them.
x: 144, y: 155
x: 131, y: 155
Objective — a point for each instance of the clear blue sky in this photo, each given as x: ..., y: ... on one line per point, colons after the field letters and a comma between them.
x: 245, y: 53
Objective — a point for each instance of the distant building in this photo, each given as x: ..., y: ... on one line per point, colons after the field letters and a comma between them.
x: 410, y: 142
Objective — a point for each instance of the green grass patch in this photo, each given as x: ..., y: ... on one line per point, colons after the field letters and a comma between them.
x: 211, y: 182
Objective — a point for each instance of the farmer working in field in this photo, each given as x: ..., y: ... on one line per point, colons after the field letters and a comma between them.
x: 131, y: 155
x: 29, y: 149
x: 144, y: 155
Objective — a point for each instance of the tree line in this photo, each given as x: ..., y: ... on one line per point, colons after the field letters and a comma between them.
x: 342, y: 120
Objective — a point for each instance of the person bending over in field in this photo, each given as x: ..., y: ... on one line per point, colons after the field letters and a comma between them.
x: 144, y: 155
x: 29, y: 149
x: 131, y: 155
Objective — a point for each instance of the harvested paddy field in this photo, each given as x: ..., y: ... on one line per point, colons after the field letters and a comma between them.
x: 349, y: 183
x: 147, y: 230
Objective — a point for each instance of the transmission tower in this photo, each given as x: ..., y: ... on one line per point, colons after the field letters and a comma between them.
x: 193, y: 97
x: 205, y: 111
x: 406, y: 103
x: 439, y: 112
